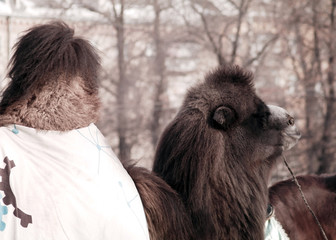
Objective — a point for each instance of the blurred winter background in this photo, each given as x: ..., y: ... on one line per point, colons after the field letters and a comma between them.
x: 154, y: 50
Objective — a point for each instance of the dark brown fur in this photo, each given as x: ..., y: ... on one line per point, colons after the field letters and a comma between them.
x: 166, y: 215
x: 293, y: 214
x: 221, y: 170
x: 53, y: 80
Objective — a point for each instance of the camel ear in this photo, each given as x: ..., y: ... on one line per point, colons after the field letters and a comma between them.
x: 224, y: 117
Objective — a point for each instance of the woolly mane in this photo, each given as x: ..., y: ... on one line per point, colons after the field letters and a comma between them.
x: 218, y: 153
x: 52, y: 74
x: 166, y: 215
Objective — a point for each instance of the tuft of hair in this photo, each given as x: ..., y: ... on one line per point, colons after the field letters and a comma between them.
x: 231, y: 74
x: 44, y: 54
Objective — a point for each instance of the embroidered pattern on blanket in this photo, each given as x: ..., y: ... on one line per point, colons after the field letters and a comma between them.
x: 3, y: 211
x: 9, y: 198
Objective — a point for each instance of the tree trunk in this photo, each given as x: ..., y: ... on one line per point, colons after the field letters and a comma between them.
x: 242, y: 9
x: 327, y: 156
x: 311, y: 124
x: 122, y: 90
x: 311, y: 75
x: 160, y: 84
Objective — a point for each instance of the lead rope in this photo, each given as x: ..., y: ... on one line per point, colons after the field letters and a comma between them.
x: 304, y: 199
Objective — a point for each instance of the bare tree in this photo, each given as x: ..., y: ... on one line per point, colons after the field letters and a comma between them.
x: 304, y: 65
x: 123, y: 84
x: 328, y: 147
x: 220, y: 29
x: 160, y: 71
x: 309, y: 31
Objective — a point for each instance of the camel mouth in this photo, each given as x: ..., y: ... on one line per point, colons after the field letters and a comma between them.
x: 279, y: 148
x: 291, y: 137
x: 290, y: 134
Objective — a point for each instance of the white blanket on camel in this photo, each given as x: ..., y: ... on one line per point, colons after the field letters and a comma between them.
x: 274, y: 231
x: 56, y: 186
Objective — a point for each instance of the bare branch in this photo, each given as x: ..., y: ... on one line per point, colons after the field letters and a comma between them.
x: 216, y: 49
x: 262, y: 50
x: 114, y: 8
x: 244, y: 4
x: 234, y: 4
x: 294, y: 63
x: 93, y: 9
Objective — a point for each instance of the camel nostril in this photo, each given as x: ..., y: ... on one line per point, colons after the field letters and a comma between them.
x: 291, y: 121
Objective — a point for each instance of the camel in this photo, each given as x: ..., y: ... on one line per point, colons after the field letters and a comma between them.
x: 292, y: 212
x: 218, y: 154
x: 219, y: 151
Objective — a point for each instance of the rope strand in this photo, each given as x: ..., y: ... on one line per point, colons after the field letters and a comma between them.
x: 304, y: 199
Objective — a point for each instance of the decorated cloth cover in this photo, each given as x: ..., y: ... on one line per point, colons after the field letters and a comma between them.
x: 274, y: 231
x: 65, y: 185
